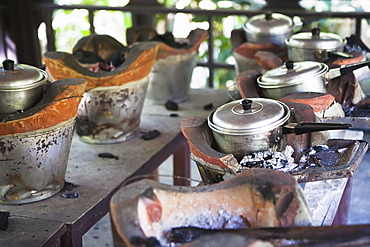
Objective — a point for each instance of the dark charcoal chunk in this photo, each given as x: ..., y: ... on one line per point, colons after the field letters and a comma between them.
x: 185, y: 234
x: 108, y: 155
x: 151, y: 135
x: 4, y: 220
x: 208, y: 106
x: 152, y: 242
x: 69, y: 186
x: 172, y: 106
x: 147, y: 242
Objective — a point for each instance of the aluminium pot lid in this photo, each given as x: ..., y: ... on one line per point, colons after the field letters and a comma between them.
x: 269, y: 24
x: 20, y: 76
x: 249, y: 116
x: 316, y: 40
x: 292, y: 73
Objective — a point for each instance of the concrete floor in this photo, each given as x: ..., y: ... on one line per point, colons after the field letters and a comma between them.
x: 359, y: 212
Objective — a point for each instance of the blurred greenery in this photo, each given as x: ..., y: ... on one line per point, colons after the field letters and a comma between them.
x: 72, y: 25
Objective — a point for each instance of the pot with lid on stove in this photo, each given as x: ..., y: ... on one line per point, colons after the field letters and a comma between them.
x: 303, y: 76
x: 294, y: 77
x: 21, y: 87
x: 270, y: 28
x: 246, y: 126
x: 315, y: 46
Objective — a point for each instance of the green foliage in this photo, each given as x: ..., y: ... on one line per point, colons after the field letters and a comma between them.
x: 74, y: 25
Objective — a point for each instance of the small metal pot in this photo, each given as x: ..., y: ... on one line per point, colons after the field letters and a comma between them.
x: 252, y: 125
x: 314, y: 45
x: 294, y: 77
x: 21, y: 87
x: 269, y: 28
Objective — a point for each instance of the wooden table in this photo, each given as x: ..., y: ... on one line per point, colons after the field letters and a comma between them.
x: 57, y: 221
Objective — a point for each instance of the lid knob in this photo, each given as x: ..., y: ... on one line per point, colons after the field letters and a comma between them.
x: 315, y: 32
x: 268, y: 16
x: 8, y: 64
x: 246, y: 104
x: 289, y: 65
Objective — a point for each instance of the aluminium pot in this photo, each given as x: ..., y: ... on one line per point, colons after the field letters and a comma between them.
x: 304, y: 76
x: 294, y: 77
x: 21, y: 87
x: 270, y: 28
x: 246, y: 126
x: 314, y: 45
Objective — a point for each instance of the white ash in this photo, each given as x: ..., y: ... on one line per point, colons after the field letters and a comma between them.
x: 282, y: 161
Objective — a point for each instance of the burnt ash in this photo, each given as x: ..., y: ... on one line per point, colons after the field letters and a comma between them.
x: 316, y: 156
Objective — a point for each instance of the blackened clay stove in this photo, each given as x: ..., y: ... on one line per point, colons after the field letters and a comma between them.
x: 171, y: 74
x: 35, y: 144
x: 112, y: 104
x: 339, y: 159
x: 256, y: 198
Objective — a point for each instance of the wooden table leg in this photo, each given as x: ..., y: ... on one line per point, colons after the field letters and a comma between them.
x: 341, y: 217
x: 181, y: 164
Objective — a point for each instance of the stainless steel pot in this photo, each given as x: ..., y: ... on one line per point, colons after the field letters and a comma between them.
x: 314, y: 45
x: 269, y: 28
x: 304, y: 76
x: 21, y: 87
x: 251, y: 125
x: 294, y: 77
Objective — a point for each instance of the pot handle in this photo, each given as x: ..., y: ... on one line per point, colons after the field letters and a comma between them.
x: 307, y: 127
x: 297, y: 24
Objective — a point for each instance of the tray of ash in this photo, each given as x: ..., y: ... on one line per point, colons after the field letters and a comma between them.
x: 337, y: 158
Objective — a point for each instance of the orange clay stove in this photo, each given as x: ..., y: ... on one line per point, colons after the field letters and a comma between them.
x: 35, y: 144
x: 256, y: 198
x: 110, y: 110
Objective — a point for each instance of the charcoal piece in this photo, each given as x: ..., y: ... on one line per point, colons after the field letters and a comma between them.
x: 108, y: 155
x: 87, y: 56
x: 208, y: 106
x: 171, y: 105
x: 69, y: 186
x: 151, y: 135
x: 147, y: 242
x: 71, y: 195
x: 152, y: 242
x: 118, y: 58
x: 185, y: 234
x: 4, y: 220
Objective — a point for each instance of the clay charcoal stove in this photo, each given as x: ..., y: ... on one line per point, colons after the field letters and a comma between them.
x: 110, y: 110
x: 255, y: 198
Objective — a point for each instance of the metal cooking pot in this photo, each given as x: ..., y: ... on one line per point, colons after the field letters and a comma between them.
x: 314, y: 45
x: 304, y: 76
x: 251, y: 125
x: 294, y: 77
x: 269, y: 28
x: 21, y: 87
